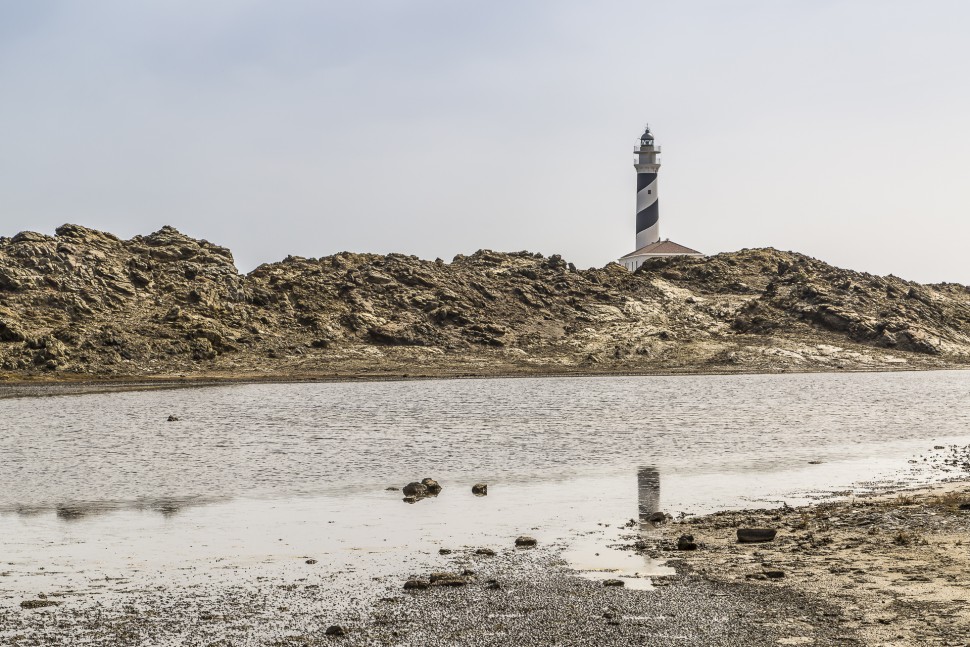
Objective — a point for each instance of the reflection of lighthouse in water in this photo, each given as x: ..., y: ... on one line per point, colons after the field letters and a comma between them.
x: 648, y: 492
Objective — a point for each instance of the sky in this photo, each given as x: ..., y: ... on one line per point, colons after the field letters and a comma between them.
x: 438, y: 127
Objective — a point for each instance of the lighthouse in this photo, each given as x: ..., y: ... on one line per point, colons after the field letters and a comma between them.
x: 647, y: 164
x: 649, y: 245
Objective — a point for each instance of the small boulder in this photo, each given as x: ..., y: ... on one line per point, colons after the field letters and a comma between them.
x: 756, y: 535
x: 37, y: 604
x: 488, y: 552
x: 657, y: 518
x: 432, y: 485
x: 480, y: 489
x: 415, y: 489
x: 173, y: 419
x: 416, y: 584
x: 774, y: 575
x: 965, y: 506
x: 444, y: 551
x: 447, y: 579
x: 686, y: 542
x: 335, y: 630
x: 311, y: 561
x: 525, y: 541
x: 613, y: 583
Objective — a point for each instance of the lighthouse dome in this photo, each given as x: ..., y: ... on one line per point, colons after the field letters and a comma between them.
x: 647, y: 135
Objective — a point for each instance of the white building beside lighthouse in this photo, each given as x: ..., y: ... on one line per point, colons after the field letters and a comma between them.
x: 649, y: 244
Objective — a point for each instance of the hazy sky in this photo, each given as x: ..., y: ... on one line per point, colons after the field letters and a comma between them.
x: 436, y: 127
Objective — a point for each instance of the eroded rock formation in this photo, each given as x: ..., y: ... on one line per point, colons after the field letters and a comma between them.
x: 86, y: 303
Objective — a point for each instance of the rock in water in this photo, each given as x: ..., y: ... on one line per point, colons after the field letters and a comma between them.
x: 686, y: 542
x: 657, y: 518
x: 432, y: 485
x: 525, y: 541
x: 480, y: 489
x: 415, y: 489
x: 173, y: 419
x: 335, y: 630
x: 415, y: 584
x: 613, y: 583
x: 756, y: 535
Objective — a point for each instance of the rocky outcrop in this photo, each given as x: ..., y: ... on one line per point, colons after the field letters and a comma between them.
x: 86, y: 303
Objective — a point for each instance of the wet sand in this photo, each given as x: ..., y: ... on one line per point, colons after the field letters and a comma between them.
x: 890, y: 569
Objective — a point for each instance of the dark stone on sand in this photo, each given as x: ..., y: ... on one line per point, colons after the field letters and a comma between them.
x: 814, y: 462
x: 416, y: 584
x: 965, y: 506
x: 613, y: 583
x: 173, y: 419
x: 657, y: 518
x: 493, y: 585
x: 335, y: 630
x: 415, y: 489
x: 480, y: 489
x: 444, y: 551
x: 467, y: 572
x: 488, y: 552
x: 411, y: 499
x: 432, y: 485
x: 311, y: 561
x: 756, y: 535
x: 686, y: 542
x: 447, y: 579
x: 525, y: 541
x: 38, y: 604
x: 392, y: 489
x: 756, y: 576
x: 774, y: 575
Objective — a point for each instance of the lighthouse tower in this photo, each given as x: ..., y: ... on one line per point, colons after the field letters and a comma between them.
x: 647, y: 164
x: 649, y: 245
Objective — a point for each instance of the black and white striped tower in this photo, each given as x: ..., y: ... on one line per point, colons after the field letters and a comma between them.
x: 647, y: 164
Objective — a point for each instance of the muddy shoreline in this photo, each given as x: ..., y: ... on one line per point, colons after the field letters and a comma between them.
x: 41, y: 385
x: 886, y: 569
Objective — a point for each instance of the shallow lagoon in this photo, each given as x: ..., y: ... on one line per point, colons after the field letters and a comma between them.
x: 98, y: 493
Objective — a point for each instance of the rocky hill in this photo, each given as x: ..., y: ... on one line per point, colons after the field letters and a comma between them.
x: 84, y: 303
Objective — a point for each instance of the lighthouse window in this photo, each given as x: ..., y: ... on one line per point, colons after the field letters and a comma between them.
x: 649, y: 191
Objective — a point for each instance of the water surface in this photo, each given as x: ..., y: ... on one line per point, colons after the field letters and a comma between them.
x: 253, y: 479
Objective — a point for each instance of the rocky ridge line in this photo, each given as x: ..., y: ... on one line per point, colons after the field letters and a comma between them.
x: 87, y: 303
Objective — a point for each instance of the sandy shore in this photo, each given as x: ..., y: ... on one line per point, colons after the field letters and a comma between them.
x: 889, y: 570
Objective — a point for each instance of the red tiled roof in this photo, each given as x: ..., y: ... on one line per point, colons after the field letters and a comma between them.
x: 663, y: 247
